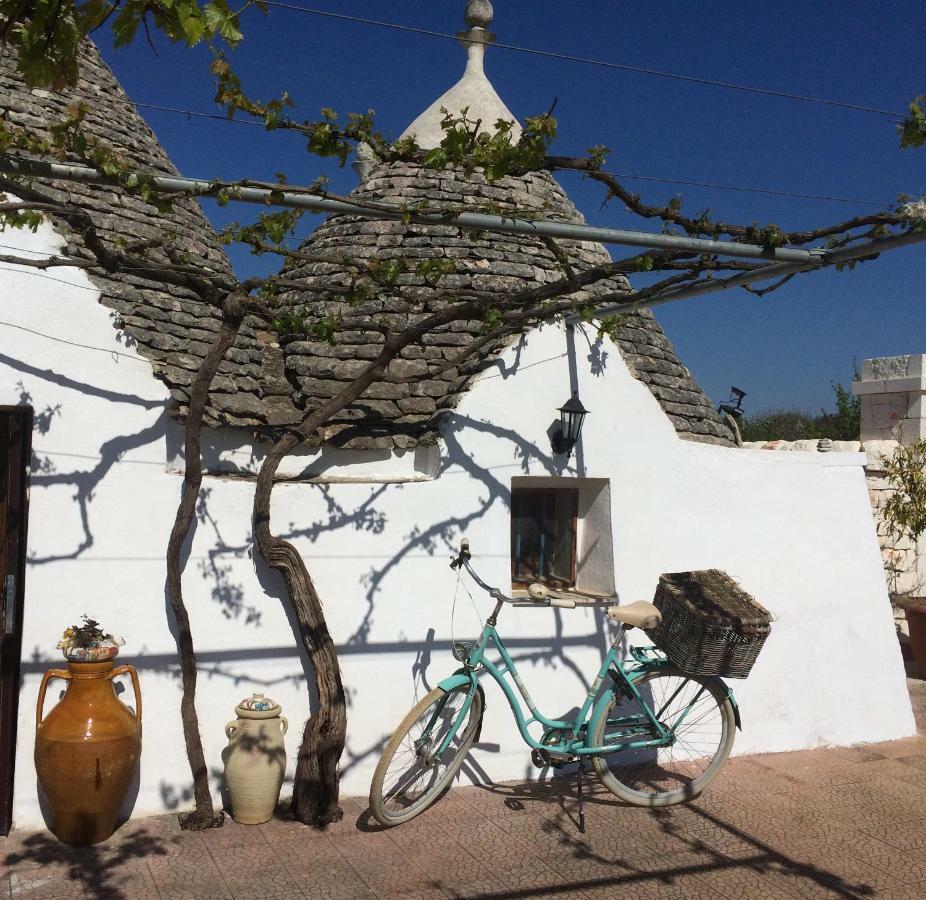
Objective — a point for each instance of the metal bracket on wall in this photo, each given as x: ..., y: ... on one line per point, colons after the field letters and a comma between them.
x: 9, y: 605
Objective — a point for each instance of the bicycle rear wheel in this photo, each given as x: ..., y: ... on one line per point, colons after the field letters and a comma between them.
x: 695, y: 710
x: 411, y: 775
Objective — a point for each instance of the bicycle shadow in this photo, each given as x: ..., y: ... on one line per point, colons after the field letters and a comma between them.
x: 625, y: 846
x: 685, y: 850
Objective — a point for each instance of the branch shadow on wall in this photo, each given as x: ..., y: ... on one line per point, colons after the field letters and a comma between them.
x: 444, y: 536
x: 446, y: 533
x: 227, y: 593
x: 84, y: 481
x: 367, y: 516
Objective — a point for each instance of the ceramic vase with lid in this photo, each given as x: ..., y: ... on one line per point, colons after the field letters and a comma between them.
x: 255, y: 759
x: 87, y: 748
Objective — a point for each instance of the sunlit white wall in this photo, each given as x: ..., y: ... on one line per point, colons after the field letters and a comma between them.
x: 795, y: 529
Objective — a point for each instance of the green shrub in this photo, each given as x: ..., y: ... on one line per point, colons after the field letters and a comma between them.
x: 843, y: 424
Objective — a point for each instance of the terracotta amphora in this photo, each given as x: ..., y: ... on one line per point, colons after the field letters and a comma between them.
x: 255, y: 759
x: 87, y: 750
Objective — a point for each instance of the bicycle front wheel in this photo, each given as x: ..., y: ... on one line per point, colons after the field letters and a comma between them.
x: 412, y: 772
x: 695, y: 711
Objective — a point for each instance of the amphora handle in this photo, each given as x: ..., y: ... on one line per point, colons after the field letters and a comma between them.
x: 231, y: 728
x: 284, y: 724
x: 122, y: 670
x: 40, y: 704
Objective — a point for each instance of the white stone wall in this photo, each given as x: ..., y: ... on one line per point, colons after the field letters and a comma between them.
x: 904, y: 561
x: 892, y: 391
x: 794, y: 528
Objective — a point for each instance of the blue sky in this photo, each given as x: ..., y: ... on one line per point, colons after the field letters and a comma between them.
x: 785, y: 349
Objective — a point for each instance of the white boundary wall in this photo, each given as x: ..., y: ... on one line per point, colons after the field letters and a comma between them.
x: 795, y: 529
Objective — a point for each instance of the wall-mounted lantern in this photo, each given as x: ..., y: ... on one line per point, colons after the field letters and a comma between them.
x: 571, y: 415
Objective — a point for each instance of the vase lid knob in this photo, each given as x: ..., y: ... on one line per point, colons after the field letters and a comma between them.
x: 258, y: 703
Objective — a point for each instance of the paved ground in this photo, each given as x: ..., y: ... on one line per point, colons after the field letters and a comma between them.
x: 848, y: 823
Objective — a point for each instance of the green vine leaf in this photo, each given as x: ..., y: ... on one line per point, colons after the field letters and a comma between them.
x: 125, y: 25
x: 597, y: 156
x: 220, y: 19
x: 904, y: 511
x: 913, y: 128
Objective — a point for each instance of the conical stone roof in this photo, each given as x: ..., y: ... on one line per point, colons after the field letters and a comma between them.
x: 172, y: 327
x: 168, y: 325
x: 404, y: 415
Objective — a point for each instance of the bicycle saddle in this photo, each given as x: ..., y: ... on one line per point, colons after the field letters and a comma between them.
x: 636, y: 615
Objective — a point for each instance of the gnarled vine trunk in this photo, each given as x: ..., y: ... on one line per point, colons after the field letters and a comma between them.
x: 203, y: 815
x: 315, y: 789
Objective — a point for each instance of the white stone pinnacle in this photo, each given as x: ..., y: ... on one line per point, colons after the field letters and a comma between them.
x: 473, y: 91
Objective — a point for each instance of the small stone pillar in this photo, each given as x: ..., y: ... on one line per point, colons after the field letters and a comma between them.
x: 893, y: 393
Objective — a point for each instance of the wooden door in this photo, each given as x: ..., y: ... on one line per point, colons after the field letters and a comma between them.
x: 15, y: 455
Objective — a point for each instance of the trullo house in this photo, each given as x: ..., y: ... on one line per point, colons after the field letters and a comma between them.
x: 655, y: 484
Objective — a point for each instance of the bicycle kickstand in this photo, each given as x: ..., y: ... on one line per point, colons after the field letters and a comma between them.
x: 579, y: 773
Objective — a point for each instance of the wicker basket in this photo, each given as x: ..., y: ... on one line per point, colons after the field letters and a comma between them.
x: 710, y: 625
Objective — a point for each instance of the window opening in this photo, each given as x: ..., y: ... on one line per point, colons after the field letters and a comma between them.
x: 543, y: 536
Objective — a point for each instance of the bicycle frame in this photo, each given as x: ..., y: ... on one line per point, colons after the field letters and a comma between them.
x: 575, y: 731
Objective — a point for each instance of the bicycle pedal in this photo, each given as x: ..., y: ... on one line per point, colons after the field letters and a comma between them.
x: 543, y: 758
x: 540, y: 758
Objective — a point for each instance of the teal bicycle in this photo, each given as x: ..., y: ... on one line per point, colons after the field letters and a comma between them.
x: 655, y: 736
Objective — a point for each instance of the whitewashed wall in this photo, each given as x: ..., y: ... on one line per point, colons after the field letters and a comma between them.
x: 796, y: 530
x: 904, y: 560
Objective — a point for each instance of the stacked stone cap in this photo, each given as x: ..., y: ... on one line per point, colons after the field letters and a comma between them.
x: 406, y: 415
x: 168, y: 325
x: 893, y: 393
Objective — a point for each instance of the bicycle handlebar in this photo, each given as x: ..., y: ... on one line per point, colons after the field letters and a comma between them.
x: 463, y: 556
x: 538, y: 594
x: 561, y: 602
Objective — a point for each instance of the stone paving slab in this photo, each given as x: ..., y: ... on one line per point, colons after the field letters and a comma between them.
x: 844, y: 823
